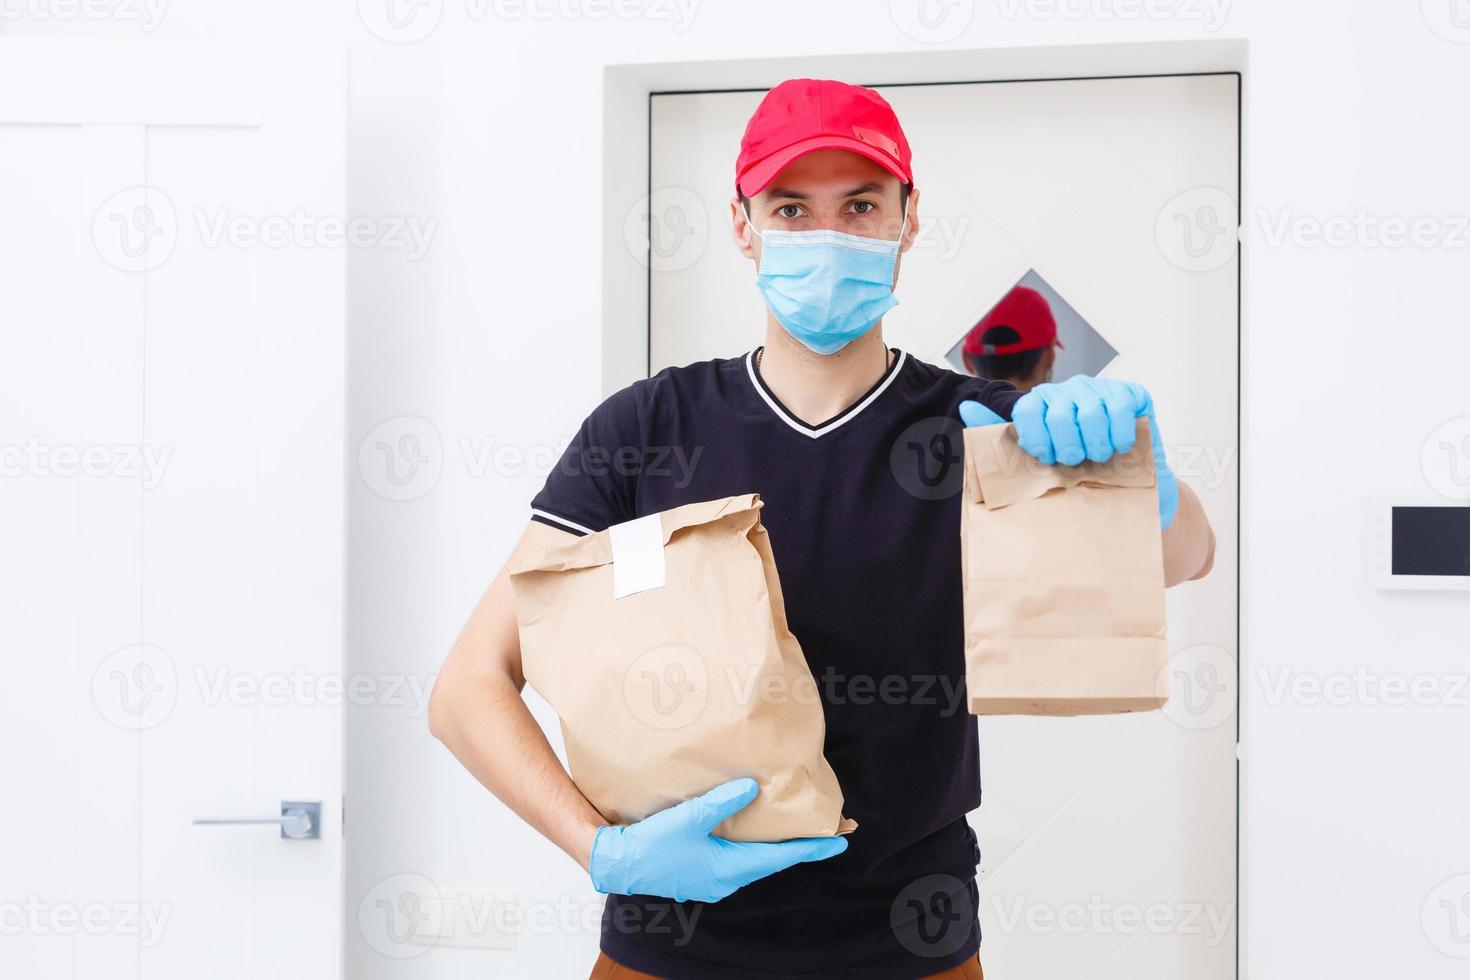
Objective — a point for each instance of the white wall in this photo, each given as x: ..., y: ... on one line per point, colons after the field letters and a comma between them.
x: 491, y: 126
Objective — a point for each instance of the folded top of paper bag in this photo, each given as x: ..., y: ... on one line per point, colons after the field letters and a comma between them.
x: 597, y: 549
x: 1002, y: 473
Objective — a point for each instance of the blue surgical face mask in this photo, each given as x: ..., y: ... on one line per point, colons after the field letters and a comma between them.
x: 827, y: 288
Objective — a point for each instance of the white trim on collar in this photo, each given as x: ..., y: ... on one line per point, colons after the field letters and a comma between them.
x: 851, y: 413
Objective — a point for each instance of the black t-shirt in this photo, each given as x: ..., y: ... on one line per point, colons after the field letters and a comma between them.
x: 863, y: 517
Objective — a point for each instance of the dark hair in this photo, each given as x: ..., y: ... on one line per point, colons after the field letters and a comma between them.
x: 1003, y: 367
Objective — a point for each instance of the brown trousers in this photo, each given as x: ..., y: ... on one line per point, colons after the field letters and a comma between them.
x: 606, y: 969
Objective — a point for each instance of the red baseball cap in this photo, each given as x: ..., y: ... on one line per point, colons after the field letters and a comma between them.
x: 1026, y: 312
x: 802, y: 115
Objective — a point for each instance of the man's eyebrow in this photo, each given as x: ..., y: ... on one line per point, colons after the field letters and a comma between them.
x: 868, y: 188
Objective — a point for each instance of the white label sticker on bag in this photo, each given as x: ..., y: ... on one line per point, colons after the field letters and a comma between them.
x: 638, y: 555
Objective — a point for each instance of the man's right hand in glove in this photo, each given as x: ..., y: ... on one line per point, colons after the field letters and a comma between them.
x: 674, y: 854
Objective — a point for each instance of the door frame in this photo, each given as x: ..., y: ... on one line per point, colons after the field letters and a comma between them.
x: 628, y: 91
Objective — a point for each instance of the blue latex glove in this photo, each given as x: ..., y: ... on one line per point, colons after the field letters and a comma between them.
x: 1085, y: 418
x: 672, y: 854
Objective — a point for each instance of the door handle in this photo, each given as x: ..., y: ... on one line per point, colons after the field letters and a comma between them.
x: 298, y: 820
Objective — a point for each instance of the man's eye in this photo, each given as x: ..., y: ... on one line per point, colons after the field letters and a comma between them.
x: 789, y: 211
x: 863, y: 207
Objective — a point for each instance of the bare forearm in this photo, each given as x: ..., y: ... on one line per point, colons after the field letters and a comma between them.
x: 1189, y: 542
x: 493, y: 734
x: 477, y: 712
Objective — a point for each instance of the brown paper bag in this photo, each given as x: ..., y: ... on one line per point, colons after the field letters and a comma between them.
x: 690, y: 680
x: 1063, y: 581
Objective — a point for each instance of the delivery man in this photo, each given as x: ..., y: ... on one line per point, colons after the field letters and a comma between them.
x: 825, y: 202
x: 1016, y: 341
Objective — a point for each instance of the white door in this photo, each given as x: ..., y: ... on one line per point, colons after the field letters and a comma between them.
x: 172, y: 412
x: 1109, y: 844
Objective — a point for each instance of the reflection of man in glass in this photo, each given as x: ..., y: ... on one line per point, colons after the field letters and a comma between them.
x: 1015, y: 342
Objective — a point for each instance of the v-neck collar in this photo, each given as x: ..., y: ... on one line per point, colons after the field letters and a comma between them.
x: 846, y: 415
